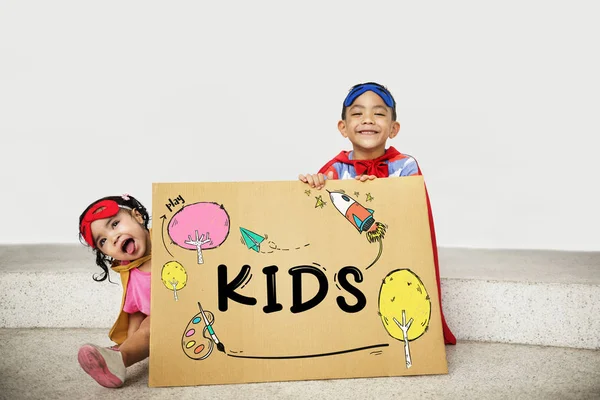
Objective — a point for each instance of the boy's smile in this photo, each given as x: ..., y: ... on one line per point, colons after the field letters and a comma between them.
x: 367, y: 131
x: 368, y: 124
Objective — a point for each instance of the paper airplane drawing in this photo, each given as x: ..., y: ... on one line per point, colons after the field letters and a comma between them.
x: 251, y: 239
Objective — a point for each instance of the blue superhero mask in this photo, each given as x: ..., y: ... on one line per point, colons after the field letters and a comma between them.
x: 377, y: 89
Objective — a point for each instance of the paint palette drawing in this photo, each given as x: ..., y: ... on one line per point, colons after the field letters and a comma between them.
x: 195, y: 345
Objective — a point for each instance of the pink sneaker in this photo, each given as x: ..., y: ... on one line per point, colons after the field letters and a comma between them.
x: 103, y: 364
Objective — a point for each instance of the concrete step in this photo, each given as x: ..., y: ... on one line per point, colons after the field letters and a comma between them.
x: 42, y: 364
x: 546, y: 298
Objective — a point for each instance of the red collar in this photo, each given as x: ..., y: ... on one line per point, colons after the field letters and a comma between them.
x: 377, y: 166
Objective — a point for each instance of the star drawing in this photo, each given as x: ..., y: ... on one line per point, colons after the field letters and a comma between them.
x: 320, y: 202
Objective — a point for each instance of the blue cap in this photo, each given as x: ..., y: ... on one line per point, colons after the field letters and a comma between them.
x: 381, y: 91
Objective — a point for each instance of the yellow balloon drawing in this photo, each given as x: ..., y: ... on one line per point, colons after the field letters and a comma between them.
x: 402, y: 290
x: 174, y: 277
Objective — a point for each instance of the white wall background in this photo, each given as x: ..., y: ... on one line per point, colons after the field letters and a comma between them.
x: 499, y: 102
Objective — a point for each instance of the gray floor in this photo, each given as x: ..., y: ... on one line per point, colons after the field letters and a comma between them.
x: 42, y: 364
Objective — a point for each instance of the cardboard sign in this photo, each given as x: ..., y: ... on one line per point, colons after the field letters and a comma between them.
x: 274, y: 281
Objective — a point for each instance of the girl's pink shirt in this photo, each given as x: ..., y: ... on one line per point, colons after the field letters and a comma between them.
x: 138, y: 292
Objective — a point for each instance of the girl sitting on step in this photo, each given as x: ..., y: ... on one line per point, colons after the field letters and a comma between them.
x: 116, y: 228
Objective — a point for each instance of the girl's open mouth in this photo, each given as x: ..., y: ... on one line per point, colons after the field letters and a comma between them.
x: 128, y: 246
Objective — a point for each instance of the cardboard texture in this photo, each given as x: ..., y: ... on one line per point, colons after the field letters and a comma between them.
x: 295, y: 283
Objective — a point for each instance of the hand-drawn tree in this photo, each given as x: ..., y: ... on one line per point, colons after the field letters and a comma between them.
x: 174, y: 277
x: 209, y: 218
x: 403, y: 296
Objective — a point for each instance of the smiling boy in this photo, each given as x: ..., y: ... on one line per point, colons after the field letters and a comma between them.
x: 368, y: 121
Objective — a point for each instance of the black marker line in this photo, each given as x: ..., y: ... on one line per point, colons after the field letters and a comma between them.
x: 311, y: 355
x: 162, y: 234
x: 378, y: 255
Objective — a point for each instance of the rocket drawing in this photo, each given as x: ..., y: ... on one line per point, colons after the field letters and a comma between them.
x: 355, y: 213
x: 361, y: 218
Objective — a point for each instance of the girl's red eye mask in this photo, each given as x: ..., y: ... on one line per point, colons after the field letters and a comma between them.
x: 100, y: 210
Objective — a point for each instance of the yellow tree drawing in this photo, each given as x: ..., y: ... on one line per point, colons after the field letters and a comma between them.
x: 174, y: 277
x: 404, y: 307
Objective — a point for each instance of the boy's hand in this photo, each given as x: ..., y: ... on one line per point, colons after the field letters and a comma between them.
x: 364, y: 178
x: 316, y: 181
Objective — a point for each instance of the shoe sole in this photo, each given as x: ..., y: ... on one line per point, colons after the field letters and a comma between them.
x: 94, y: 364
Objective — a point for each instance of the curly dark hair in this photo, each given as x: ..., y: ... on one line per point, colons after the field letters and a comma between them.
x: 102, y: 260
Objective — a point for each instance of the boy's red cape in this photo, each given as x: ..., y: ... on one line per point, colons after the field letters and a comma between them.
x: 379, y: 168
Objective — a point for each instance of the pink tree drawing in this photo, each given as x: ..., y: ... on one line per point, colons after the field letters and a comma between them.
x: 199, y: 226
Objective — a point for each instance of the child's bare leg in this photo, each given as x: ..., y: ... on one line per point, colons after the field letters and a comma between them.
x: 137, y: 346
